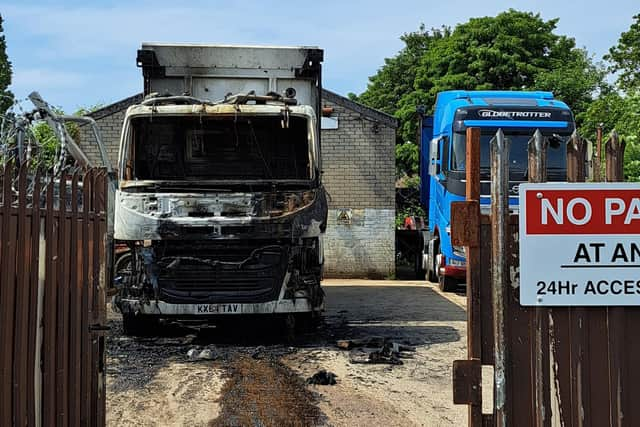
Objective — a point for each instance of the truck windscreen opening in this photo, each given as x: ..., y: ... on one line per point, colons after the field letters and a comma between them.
x: 518, y: 156
x: 220, y: 148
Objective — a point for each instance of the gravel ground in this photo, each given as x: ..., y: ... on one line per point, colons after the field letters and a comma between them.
x: 257, y: 378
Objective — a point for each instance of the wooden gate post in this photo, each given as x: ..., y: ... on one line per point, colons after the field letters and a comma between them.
x: 597, y: 164
x: 499, y: 147
x: 537, y: 150
x: 465, y: 231
x: 616, y: 325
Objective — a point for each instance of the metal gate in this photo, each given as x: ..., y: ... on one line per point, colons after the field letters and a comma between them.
x: 52, y: 301
x: 569, y: 366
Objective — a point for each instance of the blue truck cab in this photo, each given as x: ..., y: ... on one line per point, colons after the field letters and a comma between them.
x: 443, y: 155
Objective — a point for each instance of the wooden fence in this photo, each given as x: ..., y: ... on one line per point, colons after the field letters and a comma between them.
x: 566, y: 366
x: 52, y: 301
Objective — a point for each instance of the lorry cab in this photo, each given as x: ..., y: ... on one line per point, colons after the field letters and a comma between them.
x: 443, y: 154
x: 220, y: 198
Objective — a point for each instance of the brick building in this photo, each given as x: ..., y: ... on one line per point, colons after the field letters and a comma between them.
x: 358, y: 161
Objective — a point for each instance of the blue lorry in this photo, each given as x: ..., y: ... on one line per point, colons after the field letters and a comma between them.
x: 442, y: 157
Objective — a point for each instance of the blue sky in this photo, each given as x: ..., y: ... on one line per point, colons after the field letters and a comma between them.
x: 80, y: 53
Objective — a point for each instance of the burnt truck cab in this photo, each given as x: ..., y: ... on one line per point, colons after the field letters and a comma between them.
x: 221, y: 202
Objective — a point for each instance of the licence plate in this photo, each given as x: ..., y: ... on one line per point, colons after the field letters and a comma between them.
x: 217, y: 308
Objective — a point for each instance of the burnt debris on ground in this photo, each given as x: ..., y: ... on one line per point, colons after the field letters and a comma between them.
x: 376, y: 350
x: 265, y: 392
x: 322, y: 377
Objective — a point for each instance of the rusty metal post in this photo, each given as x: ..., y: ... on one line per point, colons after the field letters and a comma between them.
x: 474, y: 338
x: 597, y: 168
x: 537, y: 150
x: 575, y: 158
x: 473, y: 256
x: 570, y: 328
x: 614, y: 159
x: 20, y: 134
x: 500, y: 222
x: 616, y: 325
x: 465, y: 231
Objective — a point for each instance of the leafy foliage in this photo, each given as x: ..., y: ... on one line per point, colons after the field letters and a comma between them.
x: 408, y: 201
x: 502, y: 52
x: 6, y: 97
x: 575, y: 82
x: 512, y: 51
x: 621, y: 110
x: 632, y: 159
x: 613, y: 111
x: 395, y: 80
x: 47, y: 141
x: 622, y: 113
x: 625, y: 57
x: 407, y: 159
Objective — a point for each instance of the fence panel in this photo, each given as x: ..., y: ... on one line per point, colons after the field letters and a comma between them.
x: 52, y: 299
x: 569, y: 366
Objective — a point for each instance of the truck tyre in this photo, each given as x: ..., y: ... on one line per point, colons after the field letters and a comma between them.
x: 419, y: 271
x: 447, y: 284
x: 433, y: 248
x: 290, y: 325
x: 122, y: 269
x: 307, y: 322
x: 136, y: 325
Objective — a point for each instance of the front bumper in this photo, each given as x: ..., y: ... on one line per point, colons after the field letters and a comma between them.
x: 160, y: 308
x: 453, y: 271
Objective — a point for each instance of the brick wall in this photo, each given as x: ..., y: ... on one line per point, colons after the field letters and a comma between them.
x: 109, y: 120
x: 110, y: 127
x: 359, y: 174
x: 358, y: 160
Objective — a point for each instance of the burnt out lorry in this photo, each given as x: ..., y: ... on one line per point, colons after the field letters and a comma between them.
x: 220, y: 198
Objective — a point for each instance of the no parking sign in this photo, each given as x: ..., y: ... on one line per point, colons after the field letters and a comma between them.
x: 579, y: 244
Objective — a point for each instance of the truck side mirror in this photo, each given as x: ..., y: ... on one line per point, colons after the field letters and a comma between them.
x: 434, y: 157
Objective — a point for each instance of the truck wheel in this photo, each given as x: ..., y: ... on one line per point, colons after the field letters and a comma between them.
x: 137, y: 325
x: 447, y: 284
x: 122, y: 271
x: 433, y: 248
x: 290, y: 328
x: 419, y: 271
x: 307, y: 322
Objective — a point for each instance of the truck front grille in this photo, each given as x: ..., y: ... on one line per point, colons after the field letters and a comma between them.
x: 216, y: 274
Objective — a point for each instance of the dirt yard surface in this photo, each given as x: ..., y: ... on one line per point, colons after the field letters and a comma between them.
x: 253, y: 376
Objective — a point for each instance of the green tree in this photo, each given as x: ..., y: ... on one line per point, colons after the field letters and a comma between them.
x: 632, y: 160
x: 47, y: 141
x: 395, y: 79
x: 6, y: 97
x: 625, y: 57
x: 512, y: 51
x: 621, y: 110
x: 407, y: 159
x: 575, y: 82
x: 622, y: 113
x: 502, y: 52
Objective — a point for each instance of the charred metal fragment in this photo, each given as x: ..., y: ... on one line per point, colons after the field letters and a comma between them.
x: 151, y: 269
x: 220, y: 216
